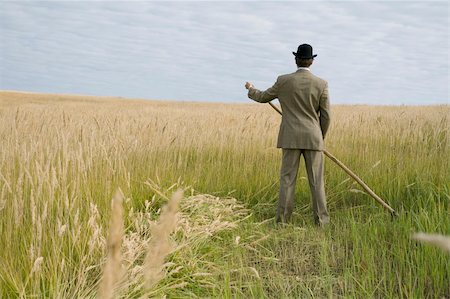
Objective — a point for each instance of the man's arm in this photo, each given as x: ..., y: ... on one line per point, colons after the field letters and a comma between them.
x: 263, y: 96
x: 324, y: 108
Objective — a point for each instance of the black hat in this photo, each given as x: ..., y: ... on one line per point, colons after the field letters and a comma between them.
x: 304, y: 51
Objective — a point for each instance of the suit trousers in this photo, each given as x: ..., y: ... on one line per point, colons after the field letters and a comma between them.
x: 288, y: 176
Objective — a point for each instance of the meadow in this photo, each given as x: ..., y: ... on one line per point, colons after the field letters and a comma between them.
x: 64, y: 158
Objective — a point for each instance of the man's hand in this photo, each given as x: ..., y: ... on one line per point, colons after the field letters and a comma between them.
x: 248, y: 85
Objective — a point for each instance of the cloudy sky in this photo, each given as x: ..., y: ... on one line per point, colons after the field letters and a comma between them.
x: 370, y: 52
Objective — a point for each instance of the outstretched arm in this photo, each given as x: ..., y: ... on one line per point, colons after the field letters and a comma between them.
x: 262, y: 96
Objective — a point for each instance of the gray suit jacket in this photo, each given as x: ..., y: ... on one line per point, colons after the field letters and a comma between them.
x: 306, y: 109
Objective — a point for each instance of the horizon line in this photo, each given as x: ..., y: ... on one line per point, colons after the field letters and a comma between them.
x: 204, y: 101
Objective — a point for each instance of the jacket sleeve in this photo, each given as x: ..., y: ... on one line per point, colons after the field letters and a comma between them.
x: 264, y: 96
x: 324, y: 109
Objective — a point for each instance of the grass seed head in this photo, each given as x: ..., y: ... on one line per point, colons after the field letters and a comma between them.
x: 112, y: 270
x: 440, y: 241
x: 161, y: 246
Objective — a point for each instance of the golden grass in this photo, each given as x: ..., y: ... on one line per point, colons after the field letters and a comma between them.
x: 112, y: 271
x: 62, y: 158
x: 440, y: 241
x: 160, y: 245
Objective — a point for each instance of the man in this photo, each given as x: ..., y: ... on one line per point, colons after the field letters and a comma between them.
x: 306, y: 118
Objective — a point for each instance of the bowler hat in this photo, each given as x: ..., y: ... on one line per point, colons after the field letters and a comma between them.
x: 304, y: 51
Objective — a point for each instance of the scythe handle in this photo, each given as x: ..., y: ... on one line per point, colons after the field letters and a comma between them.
x: 351, y: 174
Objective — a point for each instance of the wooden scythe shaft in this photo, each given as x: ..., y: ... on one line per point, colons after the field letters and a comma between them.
x: 352, y: 174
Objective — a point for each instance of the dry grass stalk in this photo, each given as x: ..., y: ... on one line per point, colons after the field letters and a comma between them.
x: 440, y: 241
x: 160, y: 246
x: 112, y: 270
x: 37, y: 265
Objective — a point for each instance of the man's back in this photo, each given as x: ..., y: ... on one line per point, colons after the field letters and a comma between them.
x: 304, y: 101
x: 305, y: 104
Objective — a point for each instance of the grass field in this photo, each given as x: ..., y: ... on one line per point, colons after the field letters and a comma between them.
x: 62, y: 158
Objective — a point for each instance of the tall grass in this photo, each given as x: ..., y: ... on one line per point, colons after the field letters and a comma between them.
x: 161, y: 245
x: 63, y: 157
x: 112, y: 271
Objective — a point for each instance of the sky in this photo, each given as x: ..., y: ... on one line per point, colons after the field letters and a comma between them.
x: 385, y: 52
